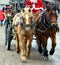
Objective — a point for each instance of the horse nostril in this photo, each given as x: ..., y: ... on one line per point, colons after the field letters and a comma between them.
x: 27, y: 28
x: 53, y: 25
x: 22, y: 24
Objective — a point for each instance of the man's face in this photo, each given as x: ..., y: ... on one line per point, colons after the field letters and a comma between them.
x: 33, y: 1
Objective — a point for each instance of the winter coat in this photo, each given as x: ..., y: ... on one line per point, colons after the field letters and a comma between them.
x: 39, y: 5
x: 1, y: 15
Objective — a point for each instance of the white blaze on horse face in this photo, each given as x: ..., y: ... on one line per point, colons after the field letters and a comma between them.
x: 27, y: 17
x: 34, y: 1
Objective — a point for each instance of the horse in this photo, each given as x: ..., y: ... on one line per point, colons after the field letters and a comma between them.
x: 46, y: 30
x: 24, y: 29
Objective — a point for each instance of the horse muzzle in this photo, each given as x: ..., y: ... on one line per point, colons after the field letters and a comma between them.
x: 54, y: 25
x: 28, y: 27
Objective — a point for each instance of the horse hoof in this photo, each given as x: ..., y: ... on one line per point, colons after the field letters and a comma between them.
x: 45, y: 53
x: 28, y: 56
x: 40, y: 50
x: 52, y: 51
x: 45, y: 58
x: 17, y: 51
x: 23, y: 59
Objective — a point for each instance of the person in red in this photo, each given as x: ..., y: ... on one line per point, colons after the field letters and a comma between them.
x: 36, y: 5
x: 1, y: 17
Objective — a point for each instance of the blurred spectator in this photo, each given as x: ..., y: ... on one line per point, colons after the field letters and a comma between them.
x: 7, y: 12
x: 4, y: 8
x: 2, y: 16
x: 58, y: 5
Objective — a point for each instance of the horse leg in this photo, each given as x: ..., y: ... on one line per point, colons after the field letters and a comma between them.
x: 29, y: 47
x: 40, y: 47
x: 39, y: 43
x: 53, y: 44
x: 17, y: 45
x: 22, y: 48
x: 45, y: 51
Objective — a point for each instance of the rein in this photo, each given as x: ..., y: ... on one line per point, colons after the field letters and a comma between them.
x: 25, y: 25
x: 38, y: 29
x: 49, y: 26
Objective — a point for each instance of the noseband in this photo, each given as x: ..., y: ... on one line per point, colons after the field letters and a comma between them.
x: 23, y: 25
x: 47, y: 18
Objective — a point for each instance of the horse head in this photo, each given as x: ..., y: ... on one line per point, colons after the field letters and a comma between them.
x: 51, y: 17
x: 28, y: 18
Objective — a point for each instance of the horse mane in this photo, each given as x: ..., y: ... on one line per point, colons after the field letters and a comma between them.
x: 17, y: 19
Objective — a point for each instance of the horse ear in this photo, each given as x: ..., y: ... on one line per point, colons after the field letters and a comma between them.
x: 29, y: 10
x: 23, y: 10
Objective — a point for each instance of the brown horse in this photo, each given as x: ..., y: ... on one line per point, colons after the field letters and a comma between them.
x: 46, y: 30
x: 24, y: 30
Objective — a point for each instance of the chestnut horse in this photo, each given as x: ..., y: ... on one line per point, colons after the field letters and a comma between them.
x: 24, y: 30
x: 46, y: 30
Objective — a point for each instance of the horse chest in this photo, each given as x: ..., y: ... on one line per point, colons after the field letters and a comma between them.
x: 26, y: 33
x: 51, y: 32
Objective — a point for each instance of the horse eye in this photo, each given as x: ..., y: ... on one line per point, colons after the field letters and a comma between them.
x: 29, y: 10
x: 30, y: 17
x: 23, y: 10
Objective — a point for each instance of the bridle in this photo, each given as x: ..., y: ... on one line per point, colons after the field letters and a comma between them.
x: 23, y: 25
x: 50, y: 26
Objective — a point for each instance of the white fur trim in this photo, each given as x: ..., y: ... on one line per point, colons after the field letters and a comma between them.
x: 33, y: 1
x: 39, y: 8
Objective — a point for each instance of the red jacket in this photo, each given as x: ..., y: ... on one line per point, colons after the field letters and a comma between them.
x: 1, y: 15
x: 39, y: 5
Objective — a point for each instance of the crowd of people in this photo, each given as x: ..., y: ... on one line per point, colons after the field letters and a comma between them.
x: 36, y: 5
x: 2, y: 17
x: 6, y: 10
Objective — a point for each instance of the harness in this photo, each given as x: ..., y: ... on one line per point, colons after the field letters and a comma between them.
x: 46, y: 26
x: 23, y: 25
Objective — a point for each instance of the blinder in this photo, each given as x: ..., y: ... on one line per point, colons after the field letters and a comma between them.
x: 23, y: 25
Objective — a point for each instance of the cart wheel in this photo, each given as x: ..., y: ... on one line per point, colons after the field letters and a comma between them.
x: 9, y: 36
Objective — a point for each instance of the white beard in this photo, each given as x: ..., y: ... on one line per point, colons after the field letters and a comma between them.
x: 33, y: 1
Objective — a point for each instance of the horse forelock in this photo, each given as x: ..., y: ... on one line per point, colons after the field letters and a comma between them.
x: 26, y: 14
x: 26, y: 10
